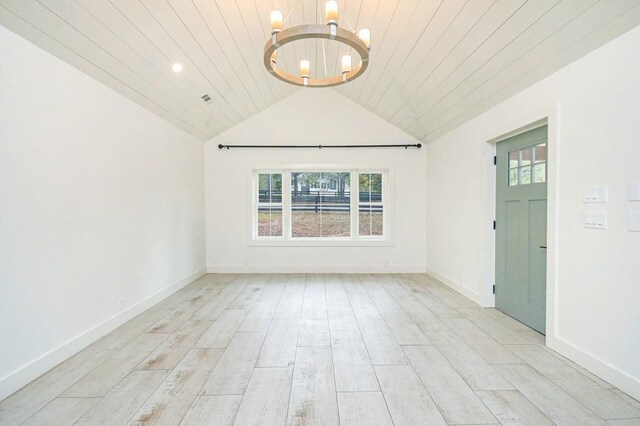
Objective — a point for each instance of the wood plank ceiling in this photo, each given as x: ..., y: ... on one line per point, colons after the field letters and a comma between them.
x: 434, y: 63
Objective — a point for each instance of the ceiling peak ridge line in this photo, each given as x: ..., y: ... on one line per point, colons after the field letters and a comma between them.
x: 405, y: 146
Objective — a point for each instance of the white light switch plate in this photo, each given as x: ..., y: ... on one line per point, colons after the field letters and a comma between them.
x: 634, y: 221
x: 595, y: 194
x: 634, y: 192
x: 595, y: 219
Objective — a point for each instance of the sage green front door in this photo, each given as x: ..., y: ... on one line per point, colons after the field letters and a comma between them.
x: 521, y: 227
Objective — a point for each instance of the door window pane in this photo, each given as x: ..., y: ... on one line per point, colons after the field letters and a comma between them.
x: 513, y: 159
x: 540, y: 173
x: 525, y: 175
x: 513, y: 177
x: 525, y: 156
x: 541, y: 152
x: 528, y: 165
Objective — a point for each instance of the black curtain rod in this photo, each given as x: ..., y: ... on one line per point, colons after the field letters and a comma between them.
x: 405, y: 146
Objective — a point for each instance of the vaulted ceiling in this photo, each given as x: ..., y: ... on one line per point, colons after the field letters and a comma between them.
x: 434, y: 63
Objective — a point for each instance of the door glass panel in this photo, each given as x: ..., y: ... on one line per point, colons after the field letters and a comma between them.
x: 513, y: 159
x: 541, y: 152
x: 513, y: 177
x: 525, y: 156
x: 525, y: 175
x: 540, y: 173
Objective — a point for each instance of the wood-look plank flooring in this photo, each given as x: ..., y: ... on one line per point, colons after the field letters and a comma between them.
x: 316, y: 349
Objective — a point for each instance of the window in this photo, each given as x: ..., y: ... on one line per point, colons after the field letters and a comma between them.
x: 528, y: 165
x: 317, y: 210
x: 320, y: 205
x: 370, y: 207
x: 269, y: 205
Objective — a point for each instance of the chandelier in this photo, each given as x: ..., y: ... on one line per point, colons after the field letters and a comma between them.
x: 359, y: 42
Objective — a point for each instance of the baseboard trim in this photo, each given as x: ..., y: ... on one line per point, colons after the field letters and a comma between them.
x: 454, y: 285
x: 315, y: 269
x: 17, y: 379
x: 607, y: 372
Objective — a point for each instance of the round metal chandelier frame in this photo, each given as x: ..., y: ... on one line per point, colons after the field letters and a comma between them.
x: 317, y: 31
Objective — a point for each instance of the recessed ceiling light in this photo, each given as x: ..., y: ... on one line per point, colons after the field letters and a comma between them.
x: 176, y: 67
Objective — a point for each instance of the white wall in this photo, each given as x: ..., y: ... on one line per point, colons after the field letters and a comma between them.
x: 99, y: 199
x: 594, y: 275
x: 313, y: 116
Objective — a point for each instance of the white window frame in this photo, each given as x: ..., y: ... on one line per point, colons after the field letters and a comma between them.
x: 354, y: 240
x: 256, y: 204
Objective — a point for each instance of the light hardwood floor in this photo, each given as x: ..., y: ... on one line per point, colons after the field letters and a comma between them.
x: 319, y: 350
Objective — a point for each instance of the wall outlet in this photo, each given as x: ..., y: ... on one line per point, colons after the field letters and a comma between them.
x: 386, y: 263
x: 120, y: 306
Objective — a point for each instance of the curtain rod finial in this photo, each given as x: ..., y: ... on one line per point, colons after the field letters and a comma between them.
x: 419, y: 145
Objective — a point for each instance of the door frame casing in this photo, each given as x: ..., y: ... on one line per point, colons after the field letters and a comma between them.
x: 512, y: 125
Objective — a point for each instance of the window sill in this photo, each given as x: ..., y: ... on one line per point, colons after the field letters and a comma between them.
x: 321, y: 243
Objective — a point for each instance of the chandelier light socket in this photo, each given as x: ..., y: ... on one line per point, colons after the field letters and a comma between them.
x: 331, y: 12
x: 346, y: 64
x: 304, y: 69
x: 276, y: 21
x: 365, y: 35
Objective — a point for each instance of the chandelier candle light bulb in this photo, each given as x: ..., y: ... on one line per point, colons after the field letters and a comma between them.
x: 276, y: 21
x: 358, y: 42
x: 331, y: 12
x: 346, y: 64
x: 365, y: 35
x: 304, y: 68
